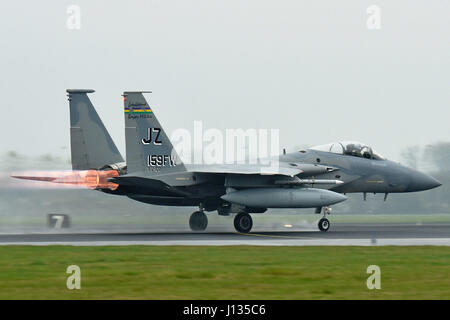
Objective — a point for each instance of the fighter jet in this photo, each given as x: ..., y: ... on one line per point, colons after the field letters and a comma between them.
x: 153, y: 173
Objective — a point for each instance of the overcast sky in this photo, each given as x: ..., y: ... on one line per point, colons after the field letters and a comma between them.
x: 310, y: 68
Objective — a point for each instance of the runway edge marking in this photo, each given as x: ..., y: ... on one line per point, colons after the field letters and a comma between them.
x: 279, y: 242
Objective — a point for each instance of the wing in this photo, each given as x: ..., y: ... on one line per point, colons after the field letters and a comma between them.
x: 284, y: 169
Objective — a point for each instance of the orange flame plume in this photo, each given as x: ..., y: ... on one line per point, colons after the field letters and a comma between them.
x: 92, y: 179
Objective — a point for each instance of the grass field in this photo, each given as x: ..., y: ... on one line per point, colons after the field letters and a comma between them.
x: 233, y: 272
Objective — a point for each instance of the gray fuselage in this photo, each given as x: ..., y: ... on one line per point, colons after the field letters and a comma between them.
x: 355, y: 174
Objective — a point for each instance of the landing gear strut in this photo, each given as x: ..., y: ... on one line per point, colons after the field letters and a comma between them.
x: 324, y: 223
x: 198, y: 221
x: 243, y: 222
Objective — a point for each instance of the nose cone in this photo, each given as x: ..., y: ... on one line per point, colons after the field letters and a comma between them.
x: 421, y: 181
x: 338, y: 197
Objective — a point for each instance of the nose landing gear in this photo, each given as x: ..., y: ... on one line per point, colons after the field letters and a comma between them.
x: 324, y: 223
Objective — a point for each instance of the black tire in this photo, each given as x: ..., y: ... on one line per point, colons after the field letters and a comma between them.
x: 198, y: 221
x: 324, y: 224
x: 243, y: 222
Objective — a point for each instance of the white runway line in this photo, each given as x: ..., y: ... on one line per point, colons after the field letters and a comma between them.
x: 274, y: 242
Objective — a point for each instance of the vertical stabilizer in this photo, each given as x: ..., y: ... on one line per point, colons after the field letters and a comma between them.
x: 148, y: 148
x: 91, y: 145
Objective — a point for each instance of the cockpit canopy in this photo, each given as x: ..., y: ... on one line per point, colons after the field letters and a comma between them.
x: 350, y: 148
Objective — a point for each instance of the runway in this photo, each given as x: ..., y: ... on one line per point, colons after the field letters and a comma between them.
x: 340, y: 234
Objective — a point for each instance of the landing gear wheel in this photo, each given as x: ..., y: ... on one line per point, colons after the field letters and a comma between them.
x: 324, y: 224
x: 198, y: 221
x: 243, y: 222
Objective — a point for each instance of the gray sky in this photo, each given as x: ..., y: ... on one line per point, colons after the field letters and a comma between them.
x: 311, y: 68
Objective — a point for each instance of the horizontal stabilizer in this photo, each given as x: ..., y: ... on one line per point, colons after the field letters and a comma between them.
x: 146, y: 183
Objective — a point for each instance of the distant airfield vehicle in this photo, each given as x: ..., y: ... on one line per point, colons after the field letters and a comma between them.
x: 317, y: 177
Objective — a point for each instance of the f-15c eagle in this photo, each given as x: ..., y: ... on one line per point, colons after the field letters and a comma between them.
x: 153, y: 173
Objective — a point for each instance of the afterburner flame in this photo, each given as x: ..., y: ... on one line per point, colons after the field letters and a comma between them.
x: 92, y: 179
x: 99, y: 179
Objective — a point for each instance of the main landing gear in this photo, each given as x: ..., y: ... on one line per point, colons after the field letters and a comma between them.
x: 198, y: 221
x: 243, y: 222
x: 324, y: 223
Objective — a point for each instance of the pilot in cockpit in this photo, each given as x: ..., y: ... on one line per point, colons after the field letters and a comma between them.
x: 357, y: 150
x: 352, y: 149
